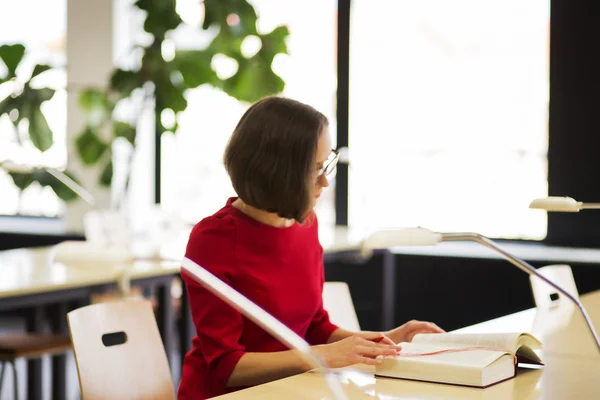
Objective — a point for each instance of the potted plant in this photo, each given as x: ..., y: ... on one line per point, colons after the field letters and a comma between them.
x: 164, y: 80
x: 22, y: 105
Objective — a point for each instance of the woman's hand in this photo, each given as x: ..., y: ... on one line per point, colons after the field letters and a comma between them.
x: 406, y: 332
x: 377, y: 337
x: 363, y: 347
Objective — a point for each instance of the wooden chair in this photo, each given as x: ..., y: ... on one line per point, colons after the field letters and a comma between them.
x: 338, y: 303
x: 557, y: 321
x: 119, y: 352
x: 546, y: 296
x: 28, y: 346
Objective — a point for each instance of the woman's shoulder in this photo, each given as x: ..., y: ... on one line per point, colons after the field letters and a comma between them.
x: 211, y: 245
x: 213, y: 234
x: 312, y: 219
x: 311, y: 223
x: 219, y: 225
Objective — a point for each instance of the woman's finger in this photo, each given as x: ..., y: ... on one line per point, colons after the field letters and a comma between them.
x: 384, y: 340
x: 369, y: 343
x: 412, y: 334
x: 376, y: 351
x: 365, y: 360
x: 422, y: 327
x: 429, y: 326
x: 376, y: 336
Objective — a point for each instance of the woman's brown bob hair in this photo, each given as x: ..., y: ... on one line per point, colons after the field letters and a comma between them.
x: 271, y: 156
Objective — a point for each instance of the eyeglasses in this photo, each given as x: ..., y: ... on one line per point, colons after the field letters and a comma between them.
x: 330, y: 164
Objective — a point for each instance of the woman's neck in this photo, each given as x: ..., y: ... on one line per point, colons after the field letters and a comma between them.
x: 264, y: 217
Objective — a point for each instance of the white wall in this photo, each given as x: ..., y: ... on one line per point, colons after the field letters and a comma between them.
x: 89, y: 62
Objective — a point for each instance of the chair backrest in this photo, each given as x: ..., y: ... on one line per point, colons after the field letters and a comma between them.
x: 338, y: 303
x: 119, y: 352
x: 546, y: 296
x: 558, y: 322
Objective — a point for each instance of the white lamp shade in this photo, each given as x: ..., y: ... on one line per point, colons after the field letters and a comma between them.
x: 556, y: 204
x: 401, y: 237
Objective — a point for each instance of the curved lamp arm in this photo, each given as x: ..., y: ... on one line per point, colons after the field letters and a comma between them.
x: 425, y: 237
x: 262, y: 319
x: 12, y: 166
x: 525, y: 267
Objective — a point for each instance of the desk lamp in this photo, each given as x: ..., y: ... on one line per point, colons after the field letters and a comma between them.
x: 262, y: 318
x: 106, y: 232
x: 561, y: 204
x: 424, y: 237
x: 12, y: 166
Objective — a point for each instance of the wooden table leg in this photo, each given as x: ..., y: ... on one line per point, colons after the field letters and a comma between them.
x: 34, y: 324
x: 165, y: 316
x: 187, y: 330
x: 59, y: 362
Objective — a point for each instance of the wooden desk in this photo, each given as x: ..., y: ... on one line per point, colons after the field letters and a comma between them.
x: 31, y: 281
x: 569, y: 373
x: 30, y: 271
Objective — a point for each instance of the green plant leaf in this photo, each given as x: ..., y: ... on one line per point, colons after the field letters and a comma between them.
x: 161, y: 16
x: 124, y: 130
x: 107, y: 174
x: 153, y: 64
x: 29, y: 104
x: 124, y: 82
x: 253, y: 81
x: 169, y: 95
x: 194, y: 66
x: 12, y: 54
x: 230, y: 37
x: 91, y: 98
x: 22, y: 180
x: 254, y: 78
x: 89, y: 146
x: 7, y: 105
x: 39, y: 131
x: 96, y: 105
x: 217, y: 11
x: 273, y: 43
x: 42, y: 95
x: 38, y: 69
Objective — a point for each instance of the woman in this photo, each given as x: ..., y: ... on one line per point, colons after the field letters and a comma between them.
x: 264, y: 244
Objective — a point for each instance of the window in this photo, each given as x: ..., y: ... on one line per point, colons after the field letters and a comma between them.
x: 194, y: 181
x: 41, y: 27
x: 448, y: 115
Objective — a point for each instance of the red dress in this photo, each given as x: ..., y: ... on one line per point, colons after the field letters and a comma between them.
x: 280, y: 269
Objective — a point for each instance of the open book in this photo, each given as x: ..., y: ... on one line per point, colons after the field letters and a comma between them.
x: 478, y: 360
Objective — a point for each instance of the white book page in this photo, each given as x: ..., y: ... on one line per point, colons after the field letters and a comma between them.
x: 506, y: 341
x: 421, y: 353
